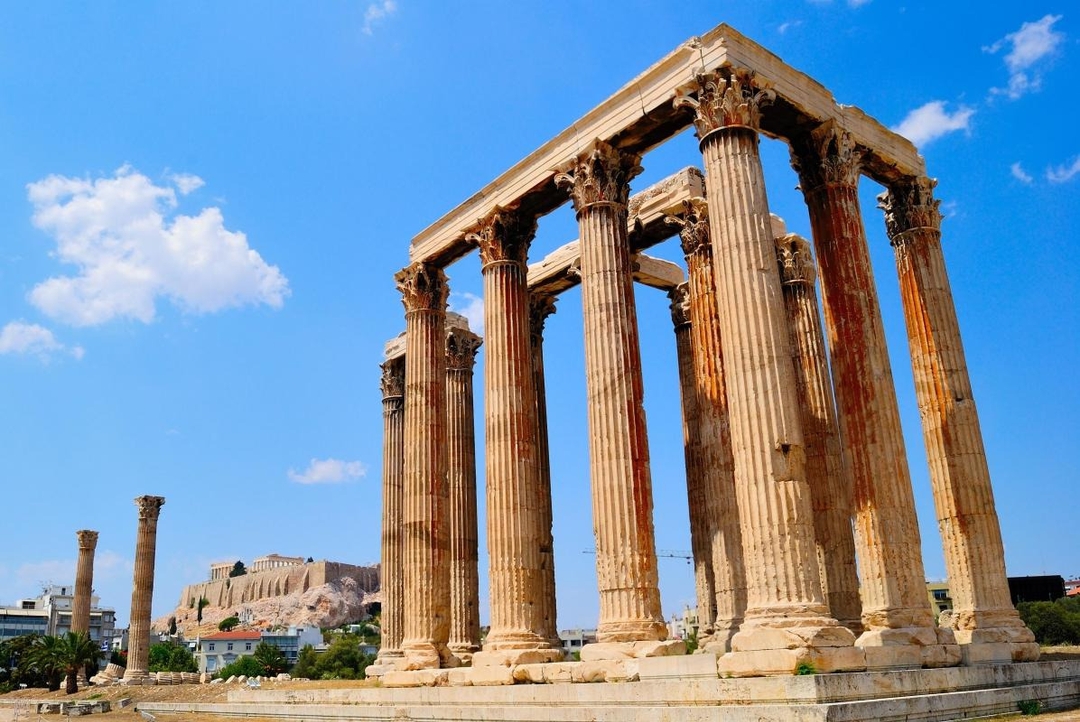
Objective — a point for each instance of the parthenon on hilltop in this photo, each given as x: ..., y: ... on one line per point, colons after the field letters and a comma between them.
x: 805, y: 541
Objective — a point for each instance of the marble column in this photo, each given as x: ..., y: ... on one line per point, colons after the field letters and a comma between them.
x: 84, y: 581
x: 425, y: 524
x: 725, y: 535
x: 897, y: 618
x: 540, y: 307
x: 826, y: 472
x: 142, y: 589
x: 515, y: 534
x: 461, y: 347
x: 983, y: 619
x: 701, y: 521
x: 391, y: 576
x: 786, y: 623
x: 599, y: 184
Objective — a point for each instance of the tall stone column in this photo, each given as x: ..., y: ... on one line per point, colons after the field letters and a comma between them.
x: 725, y: 535
x: 391, y: 572
x: 701, y: 520
x: 983, y: 619
x: 461, y: 346
x: 540, y: 307
x: 599, y: 185
x: 786, y: 621
x: 828, y: 476
x: 515, y: 534
x: 425, y: 524
x: 142, y: 589
x: 84, y: 581
x: 896, y: 610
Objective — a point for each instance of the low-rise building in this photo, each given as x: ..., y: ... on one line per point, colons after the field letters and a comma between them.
x: 217, y: 650
x: 50, y: 613
x: 574, y: 639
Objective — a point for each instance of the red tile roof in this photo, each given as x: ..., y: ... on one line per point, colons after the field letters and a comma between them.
x: 233, y: 635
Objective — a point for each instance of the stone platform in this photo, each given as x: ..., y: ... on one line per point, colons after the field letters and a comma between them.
x: 680, y: 689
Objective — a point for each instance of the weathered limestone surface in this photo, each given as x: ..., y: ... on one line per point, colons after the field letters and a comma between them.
x: 598, y: 182
x: 425, y: 524
x: 786, y: 622
x: 896, y: 610
x: 84, y: 581
x: 828, y: 476
x: 983, y: 619
x: 142, y: 589
x: 461, y: 347
x: 718, y: 464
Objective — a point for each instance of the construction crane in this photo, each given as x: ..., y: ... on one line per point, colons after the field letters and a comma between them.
x: 666, y: 553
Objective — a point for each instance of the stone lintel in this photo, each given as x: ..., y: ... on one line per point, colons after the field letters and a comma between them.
x: 395, y: 347
x: 641, y: 115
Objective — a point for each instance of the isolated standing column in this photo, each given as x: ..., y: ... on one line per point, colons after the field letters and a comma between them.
x: 142, y: 589
x: 84, y: 581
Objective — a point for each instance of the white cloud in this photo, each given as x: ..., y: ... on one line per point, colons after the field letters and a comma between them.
x: 1064, y: 173
x: 186, y: 182
x: 471, y: 307
x: 1029, y: 45
x: 328, y: 471
x: 19, y: 337
x: 375, y: 12
x: 790, y: 24
x: 130, y: 248
x: 1019, y: 173
x: 931, y: 121
x: 857, y: 3
x: 40, y: 574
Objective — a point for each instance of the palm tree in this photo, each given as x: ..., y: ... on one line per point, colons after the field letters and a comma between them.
x: 77, y: 651
x: 45, y: 657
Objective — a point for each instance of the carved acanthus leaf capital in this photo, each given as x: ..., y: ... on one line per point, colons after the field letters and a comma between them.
x: 680, y: 304
x: 795, y: 260
x: 827, y: 155
x: 541, y: 305
x: 392, y: 382
x: 149, y: 506
x: 910, y: 204
x: 693, y: 223
x: 461, y: 346
x: 87, y: 539
x: 504, y: 235
x: 423, y: 287
x: 600, y: 175
x: 727, y: 97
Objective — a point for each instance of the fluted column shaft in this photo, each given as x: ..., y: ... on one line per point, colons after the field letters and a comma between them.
x: 425, y: 523
x: 461, y: 346
x: 701, y: 520
x: 826, y: 472
x: 391, y: 572
x: 84, y: 581
x: 142, y: 588
x: 725, y: 535
x: 542, y: 306
x: 959, y: 474
x: 618, y: 444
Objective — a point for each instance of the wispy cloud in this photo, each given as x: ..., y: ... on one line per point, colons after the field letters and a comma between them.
x: 328, y: 471
x: 19, y: 337
x: 376, y: 12
x: 130, y: 249
x: 186, y: 182
x: 1029, y: 46
x: 1064, y: 173
x: 1019, y: 173
x: 850, y: 3
x: 471, y: 307
x: 789, y: 25
x: 931, y: 121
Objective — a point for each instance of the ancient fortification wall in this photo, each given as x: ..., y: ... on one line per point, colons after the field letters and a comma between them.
x: 254, y: 586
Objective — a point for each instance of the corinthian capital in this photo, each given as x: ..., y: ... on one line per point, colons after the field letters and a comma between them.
x: 461, y: 346
x: 728, y: 97
x: 393, y: 378
x: 680, y: 304
x: 504, y: 235
x: 601, y: 174
x: 423, y: 287
x: 827, y: 155
x: 541, y: 305
x: 87, y: 539
x: 149, y: 506
x: 909, y: 204
x: 794, y: 259
x: 693, y: 225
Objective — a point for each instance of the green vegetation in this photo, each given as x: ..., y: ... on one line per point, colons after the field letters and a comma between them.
x: 1053, y: 622
x: 805, y: 668
x: 44, y: 661
x: 245, y: 665
x: 238, y: 569
x: 1029, y: 707
x: 171, y: 657
x: 228, y: 623
x: 203, y: 602
x: 271, y: 659
x: 343, y: 660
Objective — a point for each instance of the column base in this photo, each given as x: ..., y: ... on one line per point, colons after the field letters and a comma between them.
x: 638, y: 630
x: 719, y: 641
x: 514, y: 657
x: 819, y: 645
x: 388, y: 660
x: 607, y: 651
x: 464, y: 652
x: 426, y: 655
x: 996, y: 645
x: 909, y: 647
x: 137, y: 678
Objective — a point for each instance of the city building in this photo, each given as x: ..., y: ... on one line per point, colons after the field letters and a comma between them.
x: 50, y: 613
x: 940, y: 599
x: 574, y: 639
x: 217, y: 650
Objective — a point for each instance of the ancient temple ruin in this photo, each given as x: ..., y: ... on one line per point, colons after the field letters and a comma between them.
x: 790, y: 493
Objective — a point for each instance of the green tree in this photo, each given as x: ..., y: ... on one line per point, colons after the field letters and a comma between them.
x: 306, y: 666
x: 77, y: 652
x: 172, y: 626
x: 171, y: 657
x: 342, y: 660
x: 238, y: 569
x: 246, y: 665
x: 228, y: 623
x: 203, y: 602
x: 1052, y: 623
x: 45, y: 658
x: 271, y: 658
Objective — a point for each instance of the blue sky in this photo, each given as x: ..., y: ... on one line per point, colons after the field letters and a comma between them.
x: 202, y: 206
